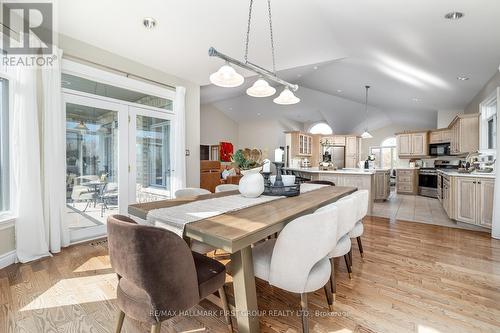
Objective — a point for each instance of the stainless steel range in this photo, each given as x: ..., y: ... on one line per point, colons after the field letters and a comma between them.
x: 427, y: 177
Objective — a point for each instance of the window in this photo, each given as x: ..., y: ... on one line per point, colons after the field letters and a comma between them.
x: 4, y: 145
x: 488, y: 122
x: 321, y: 128
x: 385, y: 154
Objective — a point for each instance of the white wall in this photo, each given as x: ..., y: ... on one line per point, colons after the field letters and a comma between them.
x: 444, y: 117
x: 265, y: 134
x: 216, y: 126
x: 488, y: 88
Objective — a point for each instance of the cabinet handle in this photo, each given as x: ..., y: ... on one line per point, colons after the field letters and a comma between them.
x: 479, y: 182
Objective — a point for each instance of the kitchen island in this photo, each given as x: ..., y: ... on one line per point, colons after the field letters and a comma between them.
x: 376, y: 181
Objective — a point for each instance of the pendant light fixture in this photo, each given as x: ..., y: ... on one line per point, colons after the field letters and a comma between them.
x: 81, y: 126
x: 226, y: 76
x: 366, y: 134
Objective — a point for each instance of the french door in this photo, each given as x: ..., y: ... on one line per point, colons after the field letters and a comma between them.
x: 116, y: 154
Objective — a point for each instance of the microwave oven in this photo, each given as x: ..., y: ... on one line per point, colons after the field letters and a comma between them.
x: 439, y: 149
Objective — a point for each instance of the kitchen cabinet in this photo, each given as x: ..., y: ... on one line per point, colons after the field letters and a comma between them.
x: 305, y: 145
x: 413, y: 144
x: 486, y: 189
x: 382, y: 185
x: 446, y: 200
x: 464, y: 131
x: 440, y: 187
x: 407, y: 181
x: 440, y: 136
x: 466, y: 199
x: 351, y: 151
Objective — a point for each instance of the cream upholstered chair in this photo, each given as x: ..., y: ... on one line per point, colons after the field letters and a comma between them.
x: 346, y: 212
x: 361, y: 198
x: 297, y: 261
x: 226, y: 188
x: 190, y: 192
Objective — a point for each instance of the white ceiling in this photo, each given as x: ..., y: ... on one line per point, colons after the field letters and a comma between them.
x: 404, y: 49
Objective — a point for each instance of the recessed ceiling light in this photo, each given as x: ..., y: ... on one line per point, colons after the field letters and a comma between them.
x: 339, y: 90
x: 230, y: 109
x: 462, y: 78
x: 259, y: 114
x: 454, y: 16
x: 149, y: 23
x: 416, y: 99
x: 315, y: 67
x: 299, y: 75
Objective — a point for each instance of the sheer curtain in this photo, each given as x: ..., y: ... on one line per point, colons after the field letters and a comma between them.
x: 53, y: 158
x: 179, y: 174
x: 31, y: 242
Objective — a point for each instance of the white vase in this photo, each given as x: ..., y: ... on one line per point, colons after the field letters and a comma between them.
x: 252, y: 183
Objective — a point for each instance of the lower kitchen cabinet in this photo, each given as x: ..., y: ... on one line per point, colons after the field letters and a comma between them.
x: 407, y: 181
x: 485, y: 212
x: 382, y: 185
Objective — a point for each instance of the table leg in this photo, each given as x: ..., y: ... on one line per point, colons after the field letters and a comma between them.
x: 245, y: 293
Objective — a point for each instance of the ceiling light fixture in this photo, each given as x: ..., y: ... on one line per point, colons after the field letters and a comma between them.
x: 149, y: 23
x: 415, y: 99
x: 462, y: 78
x: 81, y: 126
x: 454, y: 16
x: 339, y: 90
x: 261, y: 88
x: 366, y: 134
x: 227, y: 77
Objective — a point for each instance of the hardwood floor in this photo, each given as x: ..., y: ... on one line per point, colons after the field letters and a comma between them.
x: 414, y: 278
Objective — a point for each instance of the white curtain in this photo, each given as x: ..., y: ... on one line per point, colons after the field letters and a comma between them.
x: 53, y: 158
x: 179, y: 174
x: 31, y: 243
x: 495, y: 232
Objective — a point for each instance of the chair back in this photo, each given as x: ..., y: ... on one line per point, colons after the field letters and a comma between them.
x: 300, y: 245
x: 347, y: 212
x: 155, y: 260
x: 361, y: 197
x: 226, y: 188
x: 190, y: 192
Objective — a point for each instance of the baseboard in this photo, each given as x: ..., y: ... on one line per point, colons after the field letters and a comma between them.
x: 7, y: 259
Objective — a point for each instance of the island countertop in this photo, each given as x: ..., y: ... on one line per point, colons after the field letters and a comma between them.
x: 349, y: 171
x: 472, y: 174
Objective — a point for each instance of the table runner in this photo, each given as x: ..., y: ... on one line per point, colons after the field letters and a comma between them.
x: 175, y: 218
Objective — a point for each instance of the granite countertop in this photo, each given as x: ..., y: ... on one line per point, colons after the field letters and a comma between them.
x: 473, y: 174
x: 348, y: 171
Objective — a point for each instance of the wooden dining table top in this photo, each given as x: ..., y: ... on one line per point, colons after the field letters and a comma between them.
x: 235, y: 230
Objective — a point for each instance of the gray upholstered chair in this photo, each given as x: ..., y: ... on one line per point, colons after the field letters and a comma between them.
x: 226, y: 188
x: 159, y: 276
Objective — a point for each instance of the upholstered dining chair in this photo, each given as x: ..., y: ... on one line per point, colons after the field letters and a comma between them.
x: 159, y: 276
x: 190, y: 192
x: 346, y: 218
x: 226, y: 188
x: 297, y: 261
x: 361, y: 201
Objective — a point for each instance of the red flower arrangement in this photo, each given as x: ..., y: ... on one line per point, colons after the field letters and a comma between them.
x: 226, y: 151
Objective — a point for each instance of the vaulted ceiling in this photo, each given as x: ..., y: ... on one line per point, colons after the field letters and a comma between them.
x: 406, y: 50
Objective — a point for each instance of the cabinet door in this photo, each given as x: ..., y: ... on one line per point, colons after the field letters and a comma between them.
x: 446, y: 136
x: 404, y: 144
x: 351, y: 161
x: 485, y: 188
x: 418, y: 142
x: 439, y: 187
x: 466, y: 200
x: 351, y: 145
x: 436, y: 137
x: 339, y: 140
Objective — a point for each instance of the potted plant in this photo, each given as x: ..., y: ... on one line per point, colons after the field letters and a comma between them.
x: 249, y: 161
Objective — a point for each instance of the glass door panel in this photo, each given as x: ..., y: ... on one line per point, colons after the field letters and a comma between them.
x: 152, y: 143
x: 93, y: 144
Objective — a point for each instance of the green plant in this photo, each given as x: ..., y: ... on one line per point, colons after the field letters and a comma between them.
x: 247, y: 158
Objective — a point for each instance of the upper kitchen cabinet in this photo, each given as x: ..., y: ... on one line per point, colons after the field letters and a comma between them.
x: 414, y: 144
x: 352, y: 150
x: 440, y: 136
x: 464, y: 131
x: 301, y: 145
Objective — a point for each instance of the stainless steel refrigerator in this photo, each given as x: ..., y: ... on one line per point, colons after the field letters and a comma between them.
x: 337, y: 154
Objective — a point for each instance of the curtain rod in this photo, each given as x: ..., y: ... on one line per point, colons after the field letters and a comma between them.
x: 118, y: 71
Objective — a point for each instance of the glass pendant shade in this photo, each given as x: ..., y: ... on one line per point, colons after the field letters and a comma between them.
x: 81, y: 126
x: 286, y: 98
x: 261, y: 89
x: 227, y: 77
x: 366, y: 135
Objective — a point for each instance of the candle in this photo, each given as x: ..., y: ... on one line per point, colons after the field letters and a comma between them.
x: 267, y: 166
x: 278, y: 155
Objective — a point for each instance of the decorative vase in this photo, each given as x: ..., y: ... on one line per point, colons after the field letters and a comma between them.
x: 252, y: 183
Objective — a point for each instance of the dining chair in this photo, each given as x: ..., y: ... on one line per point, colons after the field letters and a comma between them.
x: 361, y: 198
x: 226, y: 188
x: 346, y: 218
x: 297, y: 261
x: 190, y: 192
x: 158, y: 275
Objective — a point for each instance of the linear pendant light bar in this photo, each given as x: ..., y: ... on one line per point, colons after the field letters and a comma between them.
x: 254, y: 68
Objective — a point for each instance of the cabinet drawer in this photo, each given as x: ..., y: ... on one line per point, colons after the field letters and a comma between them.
x: 405, y: 179
x: 406, y: 188
x: 405, y: 172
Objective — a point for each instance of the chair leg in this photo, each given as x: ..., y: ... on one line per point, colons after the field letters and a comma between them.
x: 360, y: 246
x: 303, y: 305
x: 155, y: 328
x: 329, y: 297
x: 119, y: 323
x: 333, y: 283
x: 225, y: 308
x: 350, y: 257
x: 348, y: 264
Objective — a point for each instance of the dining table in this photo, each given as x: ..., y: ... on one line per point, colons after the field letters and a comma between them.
x: 236, y: 231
